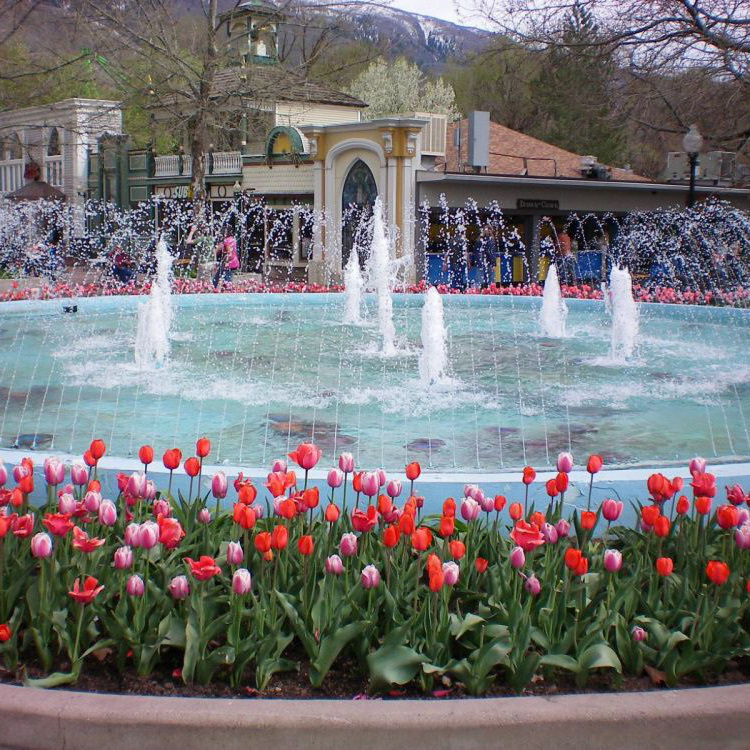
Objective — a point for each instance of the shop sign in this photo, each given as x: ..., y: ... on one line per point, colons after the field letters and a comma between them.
x: 538, y: 203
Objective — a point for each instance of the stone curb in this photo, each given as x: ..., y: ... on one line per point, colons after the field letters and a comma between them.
x: 702, y: 719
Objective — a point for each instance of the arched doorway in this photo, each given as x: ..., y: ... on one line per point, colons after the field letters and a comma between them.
x: 357, y: 201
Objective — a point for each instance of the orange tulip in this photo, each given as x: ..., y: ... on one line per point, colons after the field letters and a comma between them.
x: 447, y: 526
x: 305, y: 545
x: 575, y: 561
x: 457, y: 549
x: 703, y: 505
x: 664, y: 566
x: 538, y: 518
x: 262, y: 542
x: 432, y: 563
x: 332, y: 513
x: 385, y: 505
x: 661, y: 526
x: 287, y: 508
x: 391, y: 536
x: 435, y: 581
x: 279, y: 537
x: 515, y: 511
x: 243, y: 515
x: 247, y: 494
x: 717, y: 572
x: 551, y: 487
x: 449, y: 507
x: 649, y: 514
x: 588, y: 520
x: 413, y: 470
x: 311, y: 498
x: 406, y: 524
x: 421, y: 538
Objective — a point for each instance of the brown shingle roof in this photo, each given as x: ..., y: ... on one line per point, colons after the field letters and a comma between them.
x: 511, y: 152
x: 274, y: 82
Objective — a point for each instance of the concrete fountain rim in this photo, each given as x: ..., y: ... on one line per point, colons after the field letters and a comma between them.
x: 679, y: 719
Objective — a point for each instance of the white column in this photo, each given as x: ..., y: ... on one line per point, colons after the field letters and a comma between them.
x: 319, y: 211
x: 390, y: 196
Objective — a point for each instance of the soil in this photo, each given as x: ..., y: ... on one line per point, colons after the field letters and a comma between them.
x: 344, y: 681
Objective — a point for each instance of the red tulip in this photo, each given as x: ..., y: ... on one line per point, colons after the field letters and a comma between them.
x: 435, y: 580
x: 276, y: 483
x: 58, y: 524
x: 357, y: 481
x: 421, y: 538
x: 311, y: 497
x: 664, y: 566
x: 82, y: 542
x: 6, y: 523
x: 202, y: 447
x: 364, y: 522
x: 305, y: 545
x: 88, y: 459
x: 391, y: 536
x: 172, y: 458
x: 661, y: 526
x: 16, y: 497
x: 499, y: 503
x: 86, y: 594
x: 192, y: 466
x: 717, y: 572
x: 413, y: 470
x: 703, y: 505
x: 480, y: 564
x: 704, y: 485
x: 247, y: 493
x: 202, y: 569
x: 659, y: 487
x: 515, y: 511
x: 26, y: 484
x: 727, y: 516
x: 170, y: 531
x: 551, y: 487
x: 527, y: 535
x: 262, y: 542
x: 23, y: 526
x: 561, y: 481
x: 594, y: 464
x: 529, y: 475
x: 332, y: 513
x: 4, y: 633
x: 588, y: 520
x: 683, y: 506
x: 406, y: 524
x: 306, y: 455
x: 457, y: 549
x: 576, y: 562
x: 145, y: 454
x: 287, y: 508
x: 649, y: 514
x: 96, y: 449
x: 447, y: 526
x: 279, y: 537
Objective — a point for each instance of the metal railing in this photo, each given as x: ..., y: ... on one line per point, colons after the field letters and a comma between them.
x: 218, y: 162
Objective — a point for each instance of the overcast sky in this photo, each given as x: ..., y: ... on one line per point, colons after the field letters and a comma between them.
x: 437, y: 8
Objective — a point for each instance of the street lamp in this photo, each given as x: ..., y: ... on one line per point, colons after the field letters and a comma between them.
x: 692, y: 142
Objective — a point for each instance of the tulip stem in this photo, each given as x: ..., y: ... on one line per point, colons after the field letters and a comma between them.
x: 74, y: 659
x: 591, y: 486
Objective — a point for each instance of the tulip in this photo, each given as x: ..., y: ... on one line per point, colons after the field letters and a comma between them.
x: 279, y: 465
x: 704, y: 485
x: 499, y: 503
x: 202, y: 447
x: 136, y: 484
x: 697, y: 465
x: 66, y: 504
x: 58, y: 524
x: 450, y: 573
x: 242, y: 582
x: 447, y: 526
x: 549, y: 532
x: 235, y: 555
x: 735, y: 494
x: 717, y: 572
x: 742, y: 536
x: 412, y: 471
x: 550, y: 487
x: 703, y: 505
x: 204, y: 516
x: 123, y: 558
x: 394, y: 488
x: 664, y: 566
x: 335, y: 478
x: 96, y: 449
x: 391, y: 536
x: 131, y: 534
x: 727, y: 516
x: 575, y: 561
x: 611, y: 509
x: 532, y: 585
x: 172, y: 458
x: 41, y: 545
x: 515, y: 511
x: 78, y: 474
x: 148, y: 535
x: 594, y: 464
x: 311, y: 497
x: 348, y: 545
x: 145, y: 454
x: 334, y: 566
x: 529, y: 475
x: 3, y: 474
x: 743, y: 516
x: 421, y: 538
x: 161, y: 507
x: 305, y: 545
x: 683, y: 506
x: 370, y: 483
x: 6, y: 523
x: 192, y: 466
x: 86, y: 594
x: 262, y: 542
x: 517, y: 558
x: 346, y: 463
x: 202, y: 569
x: 54, y: 470
x: 219, y: 485
x: 279, y: 537
x: 331, y: 513
x: 638, y: 634
x: 306, y: 456
x: 370, y: 577
x: 587, y: 520
x: 134, y: 586
x: 612, y: 560
x: 469, y: 509
x: 480, y: 564
x: 565, y: 463
x: 449, y: 507
x: 179, y: 587
x: 23, y: 526
x: 4, y: 633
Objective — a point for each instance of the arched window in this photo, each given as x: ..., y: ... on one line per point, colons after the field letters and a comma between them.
x: 357, y: 200
x: 11, y: 148
x: 53, y: 146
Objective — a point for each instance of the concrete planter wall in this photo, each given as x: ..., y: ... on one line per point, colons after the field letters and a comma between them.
x: 685, y: 720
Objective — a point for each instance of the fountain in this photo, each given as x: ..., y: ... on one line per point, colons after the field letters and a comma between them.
x: 155, y: 315
x: 353, y: 284
x: 433, y: 360
x: 380, y: 278
x: 624, y: 315
x: 554, y: 311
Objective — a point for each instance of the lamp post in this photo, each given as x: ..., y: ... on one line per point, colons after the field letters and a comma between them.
x: 692, y: 142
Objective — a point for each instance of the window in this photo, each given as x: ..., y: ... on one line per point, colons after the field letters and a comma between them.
x: 53, y: 146
x: 357, y: 200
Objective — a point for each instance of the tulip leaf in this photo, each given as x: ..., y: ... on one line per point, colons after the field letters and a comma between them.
x: 330, y: 647
x: 599, y: 656
x: 560, y: 661
x: 674, y: 639
x: 54, y: 680
x: 469, y: 622
x: 393, y: 665
x: 269, y: 667
x: 192, y: 648
x: 172, y: 630
x: 308, y: 642
x: 222, y: 656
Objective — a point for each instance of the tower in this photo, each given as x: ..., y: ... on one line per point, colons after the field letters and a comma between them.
x: 252, y: 31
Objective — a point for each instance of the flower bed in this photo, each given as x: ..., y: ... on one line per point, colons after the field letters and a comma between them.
x: 480, y: 598
x: 736, y: 297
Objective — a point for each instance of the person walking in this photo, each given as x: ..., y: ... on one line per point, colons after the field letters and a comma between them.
x: 227, y: 261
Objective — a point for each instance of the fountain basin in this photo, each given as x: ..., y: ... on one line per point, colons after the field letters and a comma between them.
x: 261, y: 372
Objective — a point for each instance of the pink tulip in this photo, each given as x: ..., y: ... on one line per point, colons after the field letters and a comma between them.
x: 562, y: 527
x: 742, y: 536
x: 394, y: 488
x: 20, y: 472
x: 92, y: 501
x: 204, y: 516
x: 486, y: 503
x: 279, y: 465
x: 612, y: 560
x: 242, y: 581
x: 532, y: 585
x: 160, y: 507
x: 136, y: 485
x: 66, y: 504
x: 469, y: 490
x: 54, y: 470
x: 370, y: 483
x: 149, y: 491
x: 697, y: 465
x: 219, y: 485
x: 517, y: 558
x: 565, y: 463
x: 450, y: 573
x: 370, y: 577
x: 638, y: 634
x: 334, y: 566
x: 382, y: 478
x: 611, y: 509
x: 348, y: 545
x: 148, y: 535
x: 41, y: 545
x: 108, y: 516
x: 743, y: 516
x: 131, y: 533
x: 134, y: 586
x: 179, y: 587
x: 735, y: 495
x: 335, y: 478
x: 3, y: 474
x: 258, y: 510
x: 346, y: 463
x: 78, y: 474
x: 235, y: 555
x: 123, y: 558
x: 469, y: 509
x: 549, y: 532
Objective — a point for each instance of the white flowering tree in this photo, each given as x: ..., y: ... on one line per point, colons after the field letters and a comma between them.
x: 401, y: 87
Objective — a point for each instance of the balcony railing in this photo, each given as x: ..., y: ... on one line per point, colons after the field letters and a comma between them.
x: 217, y: 163
x: 11, y: 175
x: 53, y: 170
